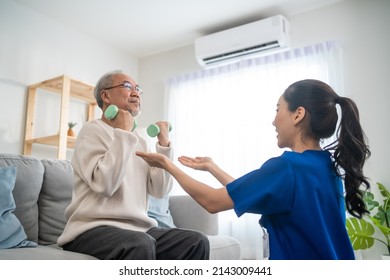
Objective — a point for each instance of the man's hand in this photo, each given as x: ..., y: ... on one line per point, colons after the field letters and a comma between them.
x: 163, y: 136
x: 154, y: 159
x: 123, y: 120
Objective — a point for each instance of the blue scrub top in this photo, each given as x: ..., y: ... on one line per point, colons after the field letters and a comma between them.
x: 301, y: 201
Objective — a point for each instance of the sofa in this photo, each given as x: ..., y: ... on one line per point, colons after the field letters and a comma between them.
x: 35, y: 192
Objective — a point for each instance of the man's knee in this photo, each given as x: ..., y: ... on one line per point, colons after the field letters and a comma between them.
x: 139, y: 246
x: 201, y: 246
x: 204, y: 242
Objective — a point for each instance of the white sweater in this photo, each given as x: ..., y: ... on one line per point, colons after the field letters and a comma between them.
x: 112, y: 183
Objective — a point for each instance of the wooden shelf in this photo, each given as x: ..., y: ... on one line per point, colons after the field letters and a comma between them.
x: 78, y: 90
x: 52, y: 140
x: 67, y: 88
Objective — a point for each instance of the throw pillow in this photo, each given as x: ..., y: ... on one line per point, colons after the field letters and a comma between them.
x: 12, y: 233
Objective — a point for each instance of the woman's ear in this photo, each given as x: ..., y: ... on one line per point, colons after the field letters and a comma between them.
x: 299, y: 115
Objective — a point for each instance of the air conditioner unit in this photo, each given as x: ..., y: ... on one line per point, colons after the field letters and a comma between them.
x: 249, y: 40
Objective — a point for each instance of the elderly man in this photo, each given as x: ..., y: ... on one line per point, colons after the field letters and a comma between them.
x: 107, y: 217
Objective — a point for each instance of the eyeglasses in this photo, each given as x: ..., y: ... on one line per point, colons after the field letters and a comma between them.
x: 128, y: 86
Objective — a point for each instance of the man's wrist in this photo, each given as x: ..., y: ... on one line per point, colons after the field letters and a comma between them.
x: 165, y: 144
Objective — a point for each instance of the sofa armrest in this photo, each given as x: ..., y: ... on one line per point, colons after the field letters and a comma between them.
x: 187, y: 213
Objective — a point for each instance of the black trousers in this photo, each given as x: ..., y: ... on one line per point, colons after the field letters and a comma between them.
x: 111, y: 243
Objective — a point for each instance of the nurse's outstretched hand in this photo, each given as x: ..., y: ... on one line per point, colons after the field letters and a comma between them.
x: 198, y: 163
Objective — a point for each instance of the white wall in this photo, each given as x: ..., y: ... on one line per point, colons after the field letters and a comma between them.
x: 362, y: 27
x: 34, y: 48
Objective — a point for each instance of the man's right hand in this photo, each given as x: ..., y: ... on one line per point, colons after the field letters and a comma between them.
x: 123, y: 120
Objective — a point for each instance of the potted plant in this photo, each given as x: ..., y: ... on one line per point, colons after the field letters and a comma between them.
x: 361, y: 231
x: 70, y: 128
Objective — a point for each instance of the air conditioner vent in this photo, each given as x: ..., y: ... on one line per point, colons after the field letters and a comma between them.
x: 242, y: 52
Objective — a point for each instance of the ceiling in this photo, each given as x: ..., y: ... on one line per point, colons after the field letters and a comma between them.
x: 147, y: 27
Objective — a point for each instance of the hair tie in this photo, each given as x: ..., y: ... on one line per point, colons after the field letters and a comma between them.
x: 338, y: 99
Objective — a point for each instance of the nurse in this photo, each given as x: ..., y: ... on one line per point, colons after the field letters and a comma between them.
x: 301, y: 194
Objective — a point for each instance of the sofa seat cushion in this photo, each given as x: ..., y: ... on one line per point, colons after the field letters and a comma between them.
x: 42, y: 253
x: 223, y: 247
x: 12, y: 234
x: 29, y: 177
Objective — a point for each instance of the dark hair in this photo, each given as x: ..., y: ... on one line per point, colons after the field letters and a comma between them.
x: 350, y: 150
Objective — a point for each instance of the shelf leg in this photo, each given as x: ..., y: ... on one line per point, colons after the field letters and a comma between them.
x: 64, y: 117
x: 31, y: 98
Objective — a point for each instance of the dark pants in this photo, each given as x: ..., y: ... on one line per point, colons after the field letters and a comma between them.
x: 111, y: 243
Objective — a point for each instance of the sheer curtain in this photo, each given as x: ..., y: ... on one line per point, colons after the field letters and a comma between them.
x: 226, y: 113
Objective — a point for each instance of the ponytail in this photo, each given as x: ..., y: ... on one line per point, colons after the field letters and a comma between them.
x: 350, y: 153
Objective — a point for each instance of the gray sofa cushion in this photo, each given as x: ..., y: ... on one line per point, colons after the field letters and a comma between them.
x: 55, y: 196
x: 184, y: 216
x: 26, y: 191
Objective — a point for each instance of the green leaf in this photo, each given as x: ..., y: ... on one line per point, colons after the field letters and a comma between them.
x: 360, y: 233
x: 383, y: 216
x: 384, y: 229
x: 384, y: 192
x: 71, y: 124
x: 370, y: 201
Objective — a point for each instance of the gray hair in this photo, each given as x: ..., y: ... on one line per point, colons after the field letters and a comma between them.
x: 104, y: 82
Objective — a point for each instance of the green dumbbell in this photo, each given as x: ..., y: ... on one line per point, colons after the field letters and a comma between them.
x: 111, y: 113
x: 153, y: 130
